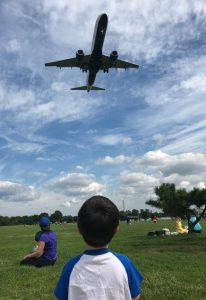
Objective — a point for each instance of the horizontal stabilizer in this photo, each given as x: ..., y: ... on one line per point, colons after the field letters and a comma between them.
x: 96, y: 88
x: 85, y: 88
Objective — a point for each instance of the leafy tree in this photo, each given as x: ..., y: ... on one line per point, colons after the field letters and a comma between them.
x: 35, y: 219
x: 128, y: 212
x: 135, y: 212
x: 4, y: 221
x: 68, y: 219
x: 144, y: 214
x: 165, y: 197
x: 198, y: 197
x: 27, y: 220
x: 56, y: 216
x: 122, y: 215
x: 175, y: 202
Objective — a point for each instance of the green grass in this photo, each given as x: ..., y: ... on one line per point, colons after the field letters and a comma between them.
x: 174, y: 267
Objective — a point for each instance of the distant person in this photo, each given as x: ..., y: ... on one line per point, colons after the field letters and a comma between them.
x: 45, y: 253
x: 99, y: 273
x: 179, y: 226
x: 193, y: 223
x: 154, y: 218
x: 128, y: 221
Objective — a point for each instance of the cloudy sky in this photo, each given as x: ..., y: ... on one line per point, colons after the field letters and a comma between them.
x: 59, y: 147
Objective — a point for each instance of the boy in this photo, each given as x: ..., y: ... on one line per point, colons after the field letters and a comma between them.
x: 98, y: 273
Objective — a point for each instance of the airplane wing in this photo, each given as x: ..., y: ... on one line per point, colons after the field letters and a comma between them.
x: 118, y: 64
x: 71, y: 63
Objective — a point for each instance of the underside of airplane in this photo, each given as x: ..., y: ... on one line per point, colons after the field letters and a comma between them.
x: 96, y: 61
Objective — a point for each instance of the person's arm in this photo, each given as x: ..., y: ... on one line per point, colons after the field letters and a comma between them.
x: 39, y: 251
x: 137, y: 298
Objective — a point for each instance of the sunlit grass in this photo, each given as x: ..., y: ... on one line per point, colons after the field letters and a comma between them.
x: 174, y: 267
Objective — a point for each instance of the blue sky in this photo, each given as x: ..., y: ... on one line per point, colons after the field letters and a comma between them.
x: 59, y: 147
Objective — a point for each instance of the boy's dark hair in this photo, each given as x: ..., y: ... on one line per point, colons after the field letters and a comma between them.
x: 98, y: 219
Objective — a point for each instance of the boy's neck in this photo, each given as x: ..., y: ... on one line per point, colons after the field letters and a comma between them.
x: 95, y: 248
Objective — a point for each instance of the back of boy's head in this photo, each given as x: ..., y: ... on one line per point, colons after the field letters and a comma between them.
x: 98, y: 219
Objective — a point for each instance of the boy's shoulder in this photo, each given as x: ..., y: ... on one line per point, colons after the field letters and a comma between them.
x: 125, y: 260
x: 122, y: 257
x: 72, y: 262
x: 75, y: 259
x: 130, y: 268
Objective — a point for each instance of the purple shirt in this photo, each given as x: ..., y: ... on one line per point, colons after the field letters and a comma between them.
x: 50, y: 249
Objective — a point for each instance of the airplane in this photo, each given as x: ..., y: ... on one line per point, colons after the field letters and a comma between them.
x: 96, y: 60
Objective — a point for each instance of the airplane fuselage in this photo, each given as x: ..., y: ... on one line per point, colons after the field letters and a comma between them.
x: 96, y: 51
x: 96, y: 61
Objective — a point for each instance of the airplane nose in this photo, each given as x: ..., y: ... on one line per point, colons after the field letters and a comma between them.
x: 104, y: 17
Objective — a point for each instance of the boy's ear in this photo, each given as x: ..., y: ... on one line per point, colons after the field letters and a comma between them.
x: 79, y: 229
x: 117, y: 229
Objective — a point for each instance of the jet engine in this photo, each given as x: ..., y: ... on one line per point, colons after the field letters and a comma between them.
x: 113, y: 55
x: 79, y: 55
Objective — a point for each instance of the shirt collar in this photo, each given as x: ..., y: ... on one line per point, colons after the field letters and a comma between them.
x: 96, y: 251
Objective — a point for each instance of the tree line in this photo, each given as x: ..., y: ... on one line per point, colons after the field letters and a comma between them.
x: 57, y: 217
x: 170, y: 201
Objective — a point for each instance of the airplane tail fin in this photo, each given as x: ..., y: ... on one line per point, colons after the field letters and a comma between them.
x: 85, y: 88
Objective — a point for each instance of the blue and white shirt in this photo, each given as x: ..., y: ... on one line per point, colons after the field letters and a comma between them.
x: 99, y: 275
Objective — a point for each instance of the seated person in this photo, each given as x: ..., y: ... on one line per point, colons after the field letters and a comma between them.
x: 197, y: 228
x: 179, y: 227
x: 154, y: 218
x: 46, y: 252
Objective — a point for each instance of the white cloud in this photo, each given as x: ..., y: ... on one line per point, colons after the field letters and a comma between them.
x: 196, y: 83
x: 13, y: 98
x: 79, y: 168
x: 137, y: 180
x: 113, y: 139
x: 182, y: 164
x: 158, y: 138
x: 135, y: 188
x: 175, y: 107
x: 155, y: 36
x: 201, y: 185
x: 24, y: 148
x: 114, y: 160
x: 38, y: 174
x: 13, y: 45
x: 15, y: 192
x: 185, y: 184
x: 75, y: 186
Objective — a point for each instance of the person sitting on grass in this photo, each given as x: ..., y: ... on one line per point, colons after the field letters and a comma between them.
x: 179, y: 227
x: 193, y: 223
x: 45, y: 253
x: 99, y: 273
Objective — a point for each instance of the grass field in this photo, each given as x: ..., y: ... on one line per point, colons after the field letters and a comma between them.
x: 174, y: 267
